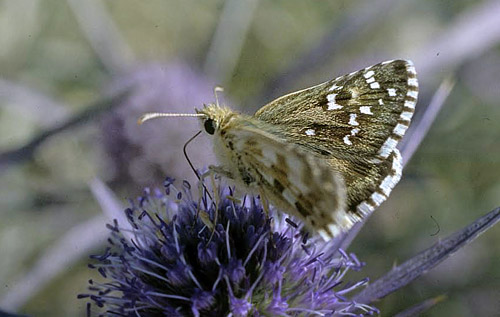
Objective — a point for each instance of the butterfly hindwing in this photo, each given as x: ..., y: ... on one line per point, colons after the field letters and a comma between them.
x: 295, y: 181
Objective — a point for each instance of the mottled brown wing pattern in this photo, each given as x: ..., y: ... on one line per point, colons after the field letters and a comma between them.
x: 354, y: 122
x: 293, y: 180
x: 356, y: 113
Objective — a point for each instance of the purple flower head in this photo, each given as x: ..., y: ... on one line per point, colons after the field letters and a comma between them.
x: 235, y: 261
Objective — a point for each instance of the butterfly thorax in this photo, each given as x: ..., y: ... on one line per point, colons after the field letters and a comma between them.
x: 221, y: 116
x: 225, y: 125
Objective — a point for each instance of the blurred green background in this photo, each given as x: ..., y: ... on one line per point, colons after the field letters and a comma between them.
x: 73, y: 60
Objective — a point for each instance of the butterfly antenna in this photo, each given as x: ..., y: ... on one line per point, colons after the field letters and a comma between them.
x: 201, y: 181
x: 153, y: 115
x: 184, y: 149
x: 217, y: 89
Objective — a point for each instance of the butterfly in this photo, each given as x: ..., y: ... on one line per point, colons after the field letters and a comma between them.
x: 325, y: 154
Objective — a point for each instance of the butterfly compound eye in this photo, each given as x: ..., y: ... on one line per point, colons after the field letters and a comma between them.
x: 209, y: 126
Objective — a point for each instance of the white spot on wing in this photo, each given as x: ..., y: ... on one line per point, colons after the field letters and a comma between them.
x: 410, y: 68
x: 369, y: 74
x: 377, y: 198
x: 334, y: 230
x: 347, y: 141
x: 335, y: 87
x: 397, y: 163
x: 387, y: 147
x: 352, y: 119
x: 332, y: 105
x: 310, y: 132
x: 344, y: 220
x: 353, y: 133
x: 331, y: 97
x: 324, y: 235
x: 406, y: 115
x: 400, y: 129
x: 387, y: 184
x: 380, y: 102
x: 364, y: 208
x: 370, y: 80
x: 375, y: 85
x: 410, y: 104
x: 365, y: 110
x: 412, y: 82
x: 391, y: 91
x: 412, y: 93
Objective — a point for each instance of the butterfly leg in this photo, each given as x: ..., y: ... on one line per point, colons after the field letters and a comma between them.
x: 212, y: 169
x: 264, y: 201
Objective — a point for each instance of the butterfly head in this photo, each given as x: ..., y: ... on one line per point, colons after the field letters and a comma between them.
x: 214, y: 117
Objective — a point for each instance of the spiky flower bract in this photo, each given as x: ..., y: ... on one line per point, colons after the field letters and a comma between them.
x: 173, y: 261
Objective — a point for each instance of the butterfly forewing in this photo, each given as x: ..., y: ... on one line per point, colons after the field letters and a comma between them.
x: 360, y: 113
x: 354, y: 122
